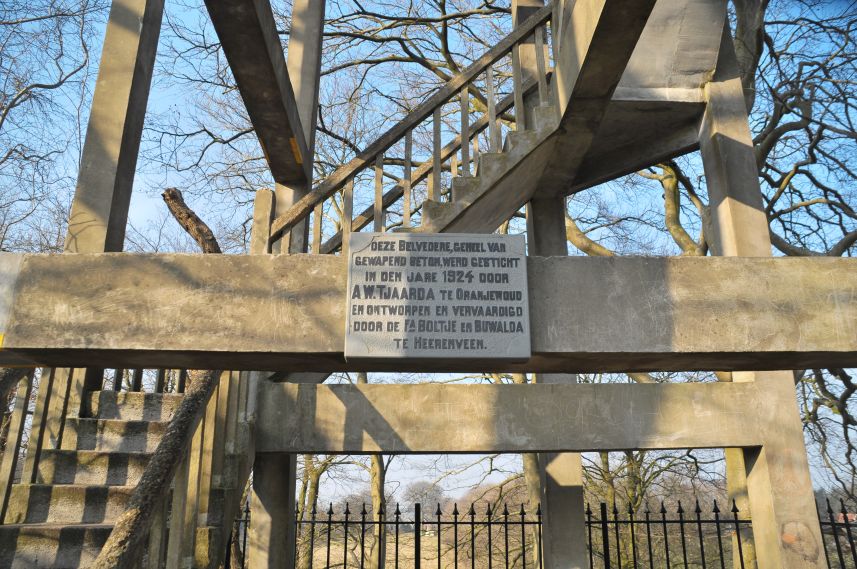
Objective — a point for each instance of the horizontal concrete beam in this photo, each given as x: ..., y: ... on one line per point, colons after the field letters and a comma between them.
x: 436, y: 418
x: 286, y: 312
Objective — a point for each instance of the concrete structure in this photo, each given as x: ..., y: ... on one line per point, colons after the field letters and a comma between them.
x: 625, y: 85
x: 611, y: 314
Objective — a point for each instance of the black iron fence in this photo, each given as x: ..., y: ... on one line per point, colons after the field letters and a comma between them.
x: 501, y: 537
x: 837, y: 531
x: 492, y: 538
x: 665, y: 538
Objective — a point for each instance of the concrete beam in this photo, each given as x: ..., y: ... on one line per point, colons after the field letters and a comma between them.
x: 99, y: 212
x: 595, y: 41
x: 587, y: 314
x: 248, y: 34
x: 435, y: 418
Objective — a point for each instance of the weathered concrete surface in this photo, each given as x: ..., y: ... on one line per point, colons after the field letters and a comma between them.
x: 677, y: 52
x: 564, y: 534
x: 100, y: 209
x: 773, y: 481
x: 248, y: 34
x: 434, y: 418
x: 271, y: 542
x: 587, y: 314
x: 596, y: 40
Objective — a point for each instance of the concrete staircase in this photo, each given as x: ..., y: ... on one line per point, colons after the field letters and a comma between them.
x: 63, y: 519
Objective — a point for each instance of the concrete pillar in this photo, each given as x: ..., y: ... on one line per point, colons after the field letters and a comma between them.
x: 272, y: 502
x: 271, y: 543
x: 304, y: 64
x: 778, y: 485
x: 99, y: 212
x: 564, y: 537
x: 100, y: 209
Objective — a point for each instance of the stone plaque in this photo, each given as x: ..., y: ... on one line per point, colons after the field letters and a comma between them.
x: 437, y: 296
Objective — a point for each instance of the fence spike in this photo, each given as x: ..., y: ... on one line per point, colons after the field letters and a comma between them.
x: 679, y: 510
x: 398, y: 511
x: 615, y: 510
x: 381, y: 510
x: 539, y: 508
x: 505, y: 509
x: 829, y: 508
x: 647, y: 511
x: 472, y: 511
x: 716, y: 509
x: 455, y: 509
x: 347, y: 511
x: 438, y: 512
x: 488, y: 511
x: 330, y: 510
x: 588, y: 509
x: 523, y: 512
x: 663, y: 508
x: 363, y: 509
x: 697, y: 510
x: 735, y: 509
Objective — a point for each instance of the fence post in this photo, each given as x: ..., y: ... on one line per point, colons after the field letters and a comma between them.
x: 418, y: 514
x: 605, y: 535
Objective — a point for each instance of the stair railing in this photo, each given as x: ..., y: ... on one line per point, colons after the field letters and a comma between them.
x: 15, y: 432
x: 207, y: 489
x: 376, y: 179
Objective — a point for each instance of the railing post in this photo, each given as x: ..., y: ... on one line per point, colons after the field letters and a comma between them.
x: 465, y: 131
x: 137, y: 380
x: 347, y: 213
x: 13, y: 442
x: 379, y: 194
x: 316, y: 229
x: 434, y: 181
x: 541, y: 68
x: 493, y: 128
x: 36, y: 442
x: 406, y: 180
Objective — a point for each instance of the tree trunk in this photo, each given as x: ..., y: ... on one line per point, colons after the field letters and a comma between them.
x: 127, y: 541
x: 9, y: 378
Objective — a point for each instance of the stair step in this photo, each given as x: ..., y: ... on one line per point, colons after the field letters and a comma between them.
x: 92, y: 467
x: 66, y: 503
x: 131, y: 406
x: 546, y: 118
x: 464, y: 189
x: 492, y: 164
x: 112, y: 435
x: 58, y: 546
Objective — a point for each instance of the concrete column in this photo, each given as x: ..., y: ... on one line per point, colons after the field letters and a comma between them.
x: 304, y: 65
x: 100, y: 209
x: 271, y: 543
x: 99, y: 212
x: 778, y: 485
x: 564, y: 537
x: 272, y: 501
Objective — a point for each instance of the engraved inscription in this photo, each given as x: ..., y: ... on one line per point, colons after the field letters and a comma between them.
x: 437, y: 296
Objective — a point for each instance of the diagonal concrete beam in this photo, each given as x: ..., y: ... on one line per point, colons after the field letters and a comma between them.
x: 595, y: 40
x: 435, y: 418
x: 248, y: 34
x: 286, y: 312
